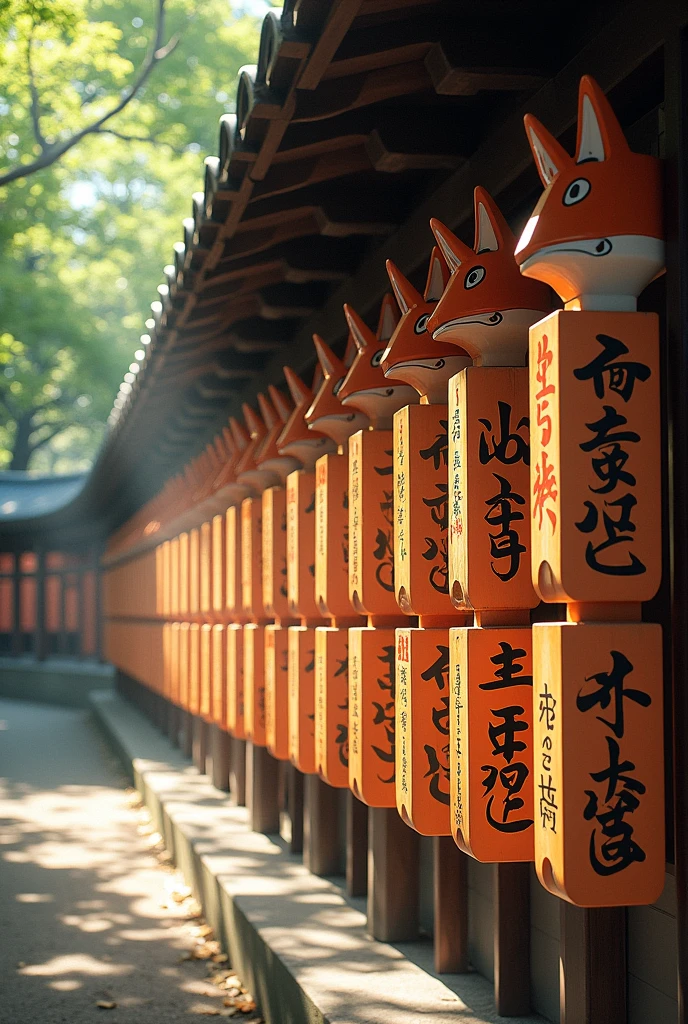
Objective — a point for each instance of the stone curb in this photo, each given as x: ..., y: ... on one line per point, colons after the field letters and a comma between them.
x: 296, y: 940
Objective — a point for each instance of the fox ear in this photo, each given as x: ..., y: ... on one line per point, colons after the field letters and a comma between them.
x: 298, y: 390
x: 438, y: 275
x: 266, y: 411
x: 280, y: 403
x: 599, y: 132
x: 491, y: 230
x: 454, y: 251
x: 255, y: 425
x: 406, y: 295
x: 331, y: 366
x: 360, y: 332
x: 550, y: 157
x: 239, y: 434
x: 350, y: 351
x: 388, y: 318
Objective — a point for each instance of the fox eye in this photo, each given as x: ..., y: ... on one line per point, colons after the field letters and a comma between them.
x: 576, y: 191
x: 377, y: 358
x: 338, y: 386
x: 421, y: 323
x: 474, y: 277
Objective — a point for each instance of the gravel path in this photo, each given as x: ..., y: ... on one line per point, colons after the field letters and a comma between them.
x: 89, y: 911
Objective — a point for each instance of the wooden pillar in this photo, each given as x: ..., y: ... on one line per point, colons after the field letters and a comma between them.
x: 62, y: 632
x: 320, y: 827
x: 199, y: 746
x: 98, y: 609
x: 17, y: 638
x: 512, y: 939
x: 295, y: 807
x: 40, y: 637
x: 173, y: 716
x: 80, y: 575
x: 219, y: 746
x: 676, y: 210
x: 450, y: 894
x: 237, y: 771
x: 187, y: 734
x: 393, y: 876
x: 261, y: 789
x: 593, y: 965
x: 356, y: 846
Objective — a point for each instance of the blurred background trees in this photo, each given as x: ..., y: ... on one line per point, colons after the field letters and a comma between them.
x: 89, y: 217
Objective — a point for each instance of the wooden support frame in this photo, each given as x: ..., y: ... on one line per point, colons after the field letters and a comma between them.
x: 511, y: 950
x: 219, y: 756
x: 262, y: 789
x: 676, y: 209
x: 393, y: 877
x: 199, y: 747
x: 356, y: 846
x: 237, y: 771
x: 593, y: 965
x: 450, y: 897
x: 295, y: 807
x: 320, y: 827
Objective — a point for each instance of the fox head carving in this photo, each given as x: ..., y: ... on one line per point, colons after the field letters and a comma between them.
x: 327, y: 414
x: 296, y: 440
x: 275, y: 468
x: 364, y: 386
x: 412, y: 356
x: 248, y: 471
x: 596, y: 234
x: 487, y: 306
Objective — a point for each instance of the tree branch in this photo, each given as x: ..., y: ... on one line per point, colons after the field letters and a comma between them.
x: 35, y: 101
x: 35, y: 445
x: 151, y: 139
x: 156, y: 53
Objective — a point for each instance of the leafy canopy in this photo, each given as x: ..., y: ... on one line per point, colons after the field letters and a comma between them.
x: 84, y: 238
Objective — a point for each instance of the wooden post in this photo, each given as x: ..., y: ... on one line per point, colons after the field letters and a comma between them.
x: 199, y: 743
x: 237, y: 771
x: 321, y: 827
x: 676, y: 213
x: 17, y: 638
x: 450, y: 894
x: 593, y: 965
x: 356, y: 846
x: 295, y: 807
x: 219, y: 746
x: 261, y: 789
x: 40, y: 637
x: 393, y: 877
x: 511, y: 939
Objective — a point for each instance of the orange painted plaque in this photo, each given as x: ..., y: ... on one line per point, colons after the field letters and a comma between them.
x: 489, y: 485
x: 598, y: 761
x: 235, y: 681
x: 205, y: 671
x: 194, y: 571
x: 205, y: 568
x: 422, y: 729
x: 219, y: 565
x: 174, y: 662
x: 371, y: 715
x: 194, y: 668
x: 233, y: 561
x: 420, y: 510
x: 184, y: 665
x: 275, y: 552
x: 371, y: 532
x: 254, y: 683
x: 332, y: 705
x: 183, y: 600
x: 332, y: 536
x: 277, y: 691
x: 595, y: 466
x: 251, y: 556
x: 166, y: 580
x: 301, y: 544
x: 218, y: 676
x: 301, y: 676
x: 491, y: 742
x: 174, y: 577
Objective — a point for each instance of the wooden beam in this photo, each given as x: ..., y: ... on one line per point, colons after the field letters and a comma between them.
x: 450, y: 893
x: 321, y: 853
x: 356, y: 846
x: 261, y: 790
x: 511, y: 939
x: 393, y: 877
x: 592, y: 946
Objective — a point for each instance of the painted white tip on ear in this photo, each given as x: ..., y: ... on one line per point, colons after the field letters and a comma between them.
x: 487, y: 237
x: 546, y: 165
x: 591, y: 142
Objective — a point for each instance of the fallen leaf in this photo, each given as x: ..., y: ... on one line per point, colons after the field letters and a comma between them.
x: 220, y: 958
x: 105, y: 1004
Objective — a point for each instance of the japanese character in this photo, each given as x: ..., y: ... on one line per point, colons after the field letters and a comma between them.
x: 621, y: 377
x: 510, y: 447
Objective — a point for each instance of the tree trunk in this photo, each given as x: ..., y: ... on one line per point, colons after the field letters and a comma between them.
x: 22, y: 451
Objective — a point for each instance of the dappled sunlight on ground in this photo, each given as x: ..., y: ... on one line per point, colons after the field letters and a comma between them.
x: 92, y: 916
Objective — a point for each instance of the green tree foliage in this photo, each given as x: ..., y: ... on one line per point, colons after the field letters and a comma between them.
x: 86, y: 228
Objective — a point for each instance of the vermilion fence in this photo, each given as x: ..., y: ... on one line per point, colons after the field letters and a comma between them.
x: 49, y: 605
